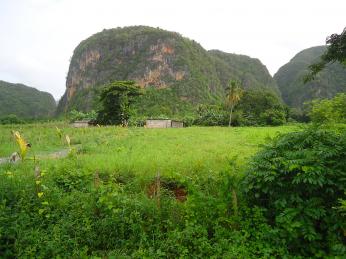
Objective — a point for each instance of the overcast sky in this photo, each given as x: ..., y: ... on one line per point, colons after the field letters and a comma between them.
x: 38, y: 36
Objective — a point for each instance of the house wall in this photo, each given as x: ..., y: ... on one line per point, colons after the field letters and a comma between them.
x: 164, y: 124
x: 177, y: 124
x: 158, y: 123
x: 78, y: 124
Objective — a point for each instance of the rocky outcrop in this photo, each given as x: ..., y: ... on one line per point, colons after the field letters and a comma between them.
x: 157, y: 58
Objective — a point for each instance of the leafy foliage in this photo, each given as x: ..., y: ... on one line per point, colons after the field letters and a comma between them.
x: 155, y: 103
x: 116, y: 98
x: 336, y: 52
x: 76, y: 214
x: 256, y: 107
x: 299, y: 179
x: 211, y: 115
x: 261, y: 107
x: 329, y: 110
x: 25, y: 102
x: 10, y: 119
x: 77, y: 115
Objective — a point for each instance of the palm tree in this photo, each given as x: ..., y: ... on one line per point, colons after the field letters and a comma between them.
x: 233, y: 96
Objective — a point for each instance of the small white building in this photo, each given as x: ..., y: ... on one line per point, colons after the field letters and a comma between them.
x: 81, y: 124
x: 164, y: 124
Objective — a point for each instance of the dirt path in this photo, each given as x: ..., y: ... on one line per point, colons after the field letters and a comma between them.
x: 53, y: 155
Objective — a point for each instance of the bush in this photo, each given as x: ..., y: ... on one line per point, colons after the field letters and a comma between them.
x: 298, y: 115
x: 188, y: 120
x: 11, y: 119
x: 78, y: 115
x: 299, y: 179
x: 273, y: 117
x: 261, y: 107
x: 325, y: 110
x: 211, y: 115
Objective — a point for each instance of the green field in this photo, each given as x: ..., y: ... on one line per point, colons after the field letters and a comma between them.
x: 141, y: 151
x: 133, y: 193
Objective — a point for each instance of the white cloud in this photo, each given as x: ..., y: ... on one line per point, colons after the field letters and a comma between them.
x: 38, y: 36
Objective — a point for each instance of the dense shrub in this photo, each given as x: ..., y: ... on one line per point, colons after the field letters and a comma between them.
x: 11, y: 119
x: 299, y: 179
x: 273, y: 117
x: 261, y: 107
x: 211, y: 115
x: 80, y: 216
x: 299, y: 115
x: 329, y: 110
x: 78, y: 115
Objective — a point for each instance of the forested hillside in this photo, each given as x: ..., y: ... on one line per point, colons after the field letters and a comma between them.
x: 24, y: 101
x: 328, y: 83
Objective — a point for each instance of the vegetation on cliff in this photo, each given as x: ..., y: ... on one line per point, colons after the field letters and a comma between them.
x: 336, y: 51
x: 290, y: 78
x: 156, y: 59
x: 25, y: 102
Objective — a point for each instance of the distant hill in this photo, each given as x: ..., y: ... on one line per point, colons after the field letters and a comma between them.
x: 249, y: 71
x: 328, y: 83
x: 180, y: 67
x: 25, y: 101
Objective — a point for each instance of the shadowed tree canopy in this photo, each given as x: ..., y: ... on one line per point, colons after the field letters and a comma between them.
x: 336, y: 51
x: 116, y: 99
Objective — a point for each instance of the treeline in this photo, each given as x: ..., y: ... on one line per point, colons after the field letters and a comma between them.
x: 255, y: 107
x: 14, y: 119
x: 122, y: 103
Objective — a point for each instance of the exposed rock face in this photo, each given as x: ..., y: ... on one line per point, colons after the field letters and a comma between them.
x: 328, y: 83
x: 87, y: 60
x: 158, y: 58
x: 25, y: 102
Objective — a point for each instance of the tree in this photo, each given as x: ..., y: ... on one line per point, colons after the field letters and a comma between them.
x: 116, y: 99
x: 300, y: 179
x: 261, y: 107
x: 233, y: 96
x: 336, y: 51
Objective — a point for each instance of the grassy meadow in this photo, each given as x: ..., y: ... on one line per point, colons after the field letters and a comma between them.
x: 140, y: 151
x: 117, y: 193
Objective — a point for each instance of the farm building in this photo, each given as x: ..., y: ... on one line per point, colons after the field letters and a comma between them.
x: 81, y: 124
x: 164, y: 124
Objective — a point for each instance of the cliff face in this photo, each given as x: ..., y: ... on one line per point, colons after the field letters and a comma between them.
x: 157, y: 58
x: 328, y: 83
x: 25, y: 101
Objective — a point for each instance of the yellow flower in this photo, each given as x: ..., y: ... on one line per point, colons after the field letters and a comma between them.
x: 40, y: 194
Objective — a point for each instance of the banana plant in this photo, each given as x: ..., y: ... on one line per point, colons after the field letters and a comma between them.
x: 23, y: 145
